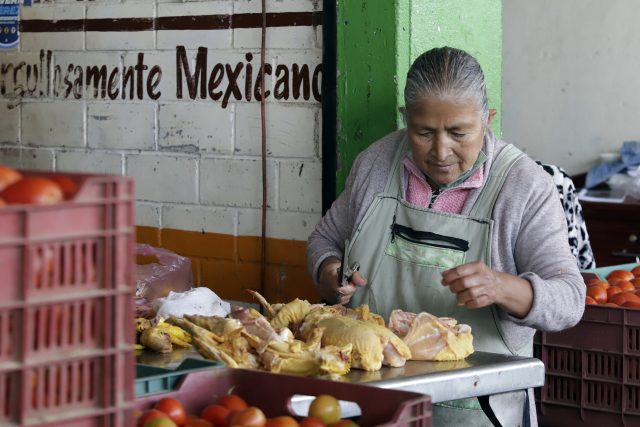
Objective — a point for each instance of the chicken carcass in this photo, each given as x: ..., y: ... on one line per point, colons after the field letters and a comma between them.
x: 430, y: 337
x: 373, y: 345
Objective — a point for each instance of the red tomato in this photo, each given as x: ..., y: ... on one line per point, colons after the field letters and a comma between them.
x: 67, y: 185
x: 598, y: 293
x: 148, y: 416
x: 589, y: 300
x: 312, y: 422
x: 631, y: 304
x: 33, y: 190
x: 612, y: 291
x: 232, y: 402
x: 216, y: 414
x: 173, y: 408
x: 284, y: 421
x: 636, y: 271
x: 618, y: 275
x: 197, y: 422
x: 623, y: 297
x: 626, y: 286
x: 8, y: 176
x: 250, y: 417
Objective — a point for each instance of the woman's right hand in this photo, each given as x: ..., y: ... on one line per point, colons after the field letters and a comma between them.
x: 329, y: 280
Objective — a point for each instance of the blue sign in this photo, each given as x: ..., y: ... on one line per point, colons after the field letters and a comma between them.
x: 9, y: 23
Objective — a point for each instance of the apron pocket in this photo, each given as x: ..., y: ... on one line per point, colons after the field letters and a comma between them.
x: 426, y: 248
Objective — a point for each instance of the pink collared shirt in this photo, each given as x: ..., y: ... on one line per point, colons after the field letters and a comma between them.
x: 450, y: 200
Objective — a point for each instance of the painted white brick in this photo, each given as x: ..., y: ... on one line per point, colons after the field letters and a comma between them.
x: 121, y: 125
x: 36, y: 159
x: 198, y: 218
x: 255, y: 6
x: 78, y: 76
x: 148, y: 214
x: 192, y: 39
x: 300, y: 185
x: 53, y: 40
x: 281, y: 225
x: 120, y: 40
x: 89, y: 161
x: 223, y: 92
x: 9, y: 122
x: 53, y: 124
x: 236, y: 182
x: 22, y: 76
x: 164, y: 178
x: 290, y: 130
x: 10, y: 156
x: 302, y: 37
x: 161, y: 63
x: 195, y: 127
x: 293, y: 72
x: 26, y: 158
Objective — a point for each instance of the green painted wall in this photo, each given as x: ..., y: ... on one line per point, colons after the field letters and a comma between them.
x: 376, y: 42
x: 366, y: 52
x: 472, y: 25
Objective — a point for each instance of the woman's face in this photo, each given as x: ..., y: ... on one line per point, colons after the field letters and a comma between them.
x: 446, y: 136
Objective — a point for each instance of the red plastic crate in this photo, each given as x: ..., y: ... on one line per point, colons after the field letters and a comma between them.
x: 273, y: 392
x: 592, y: 370
x: 66, y: 307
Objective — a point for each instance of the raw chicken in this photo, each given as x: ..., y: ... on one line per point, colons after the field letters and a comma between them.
x: 432, y: 338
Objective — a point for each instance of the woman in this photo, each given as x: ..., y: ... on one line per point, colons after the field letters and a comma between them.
x: 443, y: 217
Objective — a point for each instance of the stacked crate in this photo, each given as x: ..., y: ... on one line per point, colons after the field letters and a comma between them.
x: 66, y: 308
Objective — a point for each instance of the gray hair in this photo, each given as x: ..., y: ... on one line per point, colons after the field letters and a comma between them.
x: 446, y: 71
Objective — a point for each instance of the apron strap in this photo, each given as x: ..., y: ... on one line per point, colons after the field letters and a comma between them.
x: 394, y: 179
x: 504, y: 161
x: 486, y: 408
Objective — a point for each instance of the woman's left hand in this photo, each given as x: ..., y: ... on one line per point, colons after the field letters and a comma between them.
x: 475, y: 285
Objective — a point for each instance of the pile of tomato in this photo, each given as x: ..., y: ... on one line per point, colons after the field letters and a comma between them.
x: 620, y: 289
x: 232, y: 411
x: 38, y: 190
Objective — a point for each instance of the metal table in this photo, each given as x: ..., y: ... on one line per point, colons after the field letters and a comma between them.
x: 478, y: 375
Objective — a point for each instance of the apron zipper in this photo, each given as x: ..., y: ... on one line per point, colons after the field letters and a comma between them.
x: 434, y: 196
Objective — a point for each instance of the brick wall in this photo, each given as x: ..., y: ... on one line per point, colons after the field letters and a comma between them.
x: 165, y: 91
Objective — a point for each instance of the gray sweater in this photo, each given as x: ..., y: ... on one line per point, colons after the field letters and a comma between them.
x: 529, y: 236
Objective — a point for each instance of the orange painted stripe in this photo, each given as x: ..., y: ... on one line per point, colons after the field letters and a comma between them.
x: 231, y: 264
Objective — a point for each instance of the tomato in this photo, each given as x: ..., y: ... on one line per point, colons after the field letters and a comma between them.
x: 149, y: 415
x: 197, y: 422
x: 325, y: 407
x: 623, y: 297
x: 618, y: 275
x: 602, y: 283
x: 232, y: 402
x: 32, y: 190
x: 250, y: 417
x: 344, y: 423
x: 173, y: 408
x: 636, y: 271
x: 613, y: 290
x: 635, y: 282
x: 283, y: 421
x: 598, y: 293
x: 160, y: 422
x: 216, y: 414
x: 626, y: 286
x: 631, y: 304
x: 312, y: 422
x: 67, y: 185
x: 8, y: 176
x: 589, y: 301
